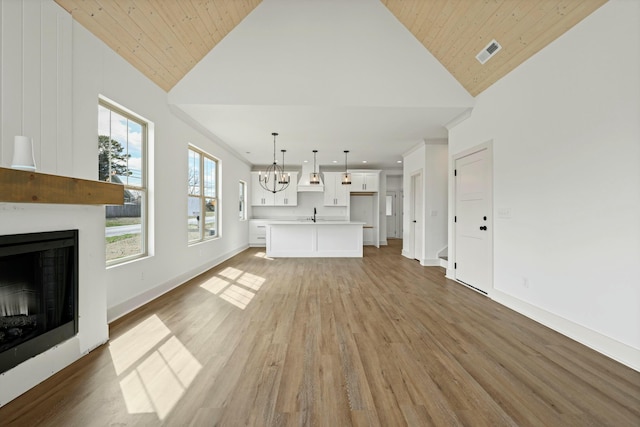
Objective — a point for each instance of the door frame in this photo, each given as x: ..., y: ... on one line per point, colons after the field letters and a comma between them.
x: 451, y: 272
x: 397, y: 208
x: 416, y: 177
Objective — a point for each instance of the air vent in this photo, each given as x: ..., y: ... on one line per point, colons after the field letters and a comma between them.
x: 489, y: 50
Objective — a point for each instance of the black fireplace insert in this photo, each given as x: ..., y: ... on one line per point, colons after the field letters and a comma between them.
x: 38, y: 293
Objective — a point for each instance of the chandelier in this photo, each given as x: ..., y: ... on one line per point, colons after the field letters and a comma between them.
x: 274, y: 179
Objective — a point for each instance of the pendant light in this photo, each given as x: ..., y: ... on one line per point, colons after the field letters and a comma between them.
x: 284, y: 176
x: 274, y: 178
x: 346, y: 176
x: 315, y: 176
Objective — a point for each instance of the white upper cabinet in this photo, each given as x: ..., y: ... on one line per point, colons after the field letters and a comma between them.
x: 365, y: 181
x: 289, y: 196
x: 259, y: 196
x: 262, y: 197
x: 335, y: 194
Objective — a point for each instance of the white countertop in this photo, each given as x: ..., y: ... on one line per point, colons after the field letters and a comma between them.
x: 309, y: 222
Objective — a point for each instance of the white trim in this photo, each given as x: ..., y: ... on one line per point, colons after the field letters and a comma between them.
x: 206, y: 132
x: 459, y: 119
x: 413, y: 149
x: 436, y: 141
x: 117, y: 311
x: 616, y: 350
x: 430, y: 262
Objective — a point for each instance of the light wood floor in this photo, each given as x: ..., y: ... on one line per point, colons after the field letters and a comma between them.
x: 377, y: 341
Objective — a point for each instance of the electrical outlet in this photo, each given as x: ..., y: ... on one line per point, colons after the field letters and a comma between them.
x: 504, y: 213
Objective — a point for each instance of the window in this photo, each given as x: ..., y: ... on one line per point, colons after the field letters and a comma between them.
x: 202, y: 211
x: 242, y: 197
x: 122, y: 145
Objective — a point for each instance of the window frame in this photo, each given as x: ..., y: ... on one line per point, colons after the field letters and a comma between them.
x: 143, y: 188
x: 242, y: 202
x: 203, y: 197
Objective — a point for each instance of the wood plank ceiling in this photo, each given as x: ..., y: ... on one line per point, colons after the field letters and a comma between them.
x: 165, y: 39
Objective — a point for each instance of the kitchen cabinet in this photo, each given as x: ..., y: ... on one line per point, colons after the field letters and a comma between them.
x: 262, y: 197
x: 323, y: 239
x: 365, y: 181
x: 335, y: 194
x: 258, y: 232
x: 289, y: 196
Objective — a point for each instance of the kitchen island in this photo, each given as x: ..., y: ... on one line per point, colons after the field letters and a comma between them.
x: 323, y: 239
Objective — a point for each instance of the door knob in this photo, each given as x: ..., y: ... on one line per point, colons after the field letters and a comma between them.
x: 484, y: 227
x: 415, y: 220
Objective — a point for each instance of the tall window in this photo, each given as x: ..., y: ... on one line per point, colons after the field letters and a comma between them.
x: 202, y: 191
x: 242, y: 198
x: 122, y: 145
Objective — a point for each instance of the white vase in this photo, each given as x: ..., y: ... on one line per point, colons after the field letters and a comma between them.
x: 23, y: 154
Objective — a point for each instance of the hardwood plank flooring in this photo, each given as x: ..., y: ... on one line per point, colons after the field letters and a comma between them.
x: 377, y: 341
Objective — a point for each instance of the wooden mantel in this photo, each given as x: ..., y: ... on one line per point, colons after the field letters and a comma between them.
x: 18, y: 186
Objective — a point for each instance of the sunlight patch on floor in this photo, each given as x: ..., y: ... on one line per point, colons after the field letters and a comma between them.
x: 237, y: 296
x: 236, y: 287
x: 157, y: 368
x: 251, y: 281
x: 231, y: 273
x: 215, y: 285
x: 132, y: 345
x: 263, y: 255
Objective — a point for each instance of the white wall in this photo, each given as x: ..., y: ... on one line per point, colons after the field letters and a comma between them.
x: 413, y: 162
x: 566, y: 140
x: 431, y: 160
x: 436, y: 209
x: 100, y: 71
x: 53, y: 71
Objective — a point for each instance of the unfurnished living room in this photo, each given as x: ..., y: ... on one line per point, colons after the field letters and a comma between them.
x: 303, y: 212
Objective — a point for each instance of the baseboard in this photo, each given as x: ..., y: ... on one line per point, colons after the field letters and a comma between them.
x: 405, y: 254
x: 444, y: 263
x: 121, y: 309
x: 430, y: 262
x: 616, y: 350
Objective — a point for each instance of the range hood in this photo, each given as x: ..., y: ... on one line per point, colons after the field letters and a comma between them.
x: 304, y: 185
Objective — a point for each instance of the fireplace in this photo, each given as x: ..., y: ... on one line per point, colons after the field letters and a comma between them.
x: 38, y: 293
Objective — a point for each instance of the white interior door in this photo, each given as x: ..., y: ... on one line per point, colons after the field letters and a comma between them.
x: 416, y: 215
x: 472, y: 230
x: 391, y: 212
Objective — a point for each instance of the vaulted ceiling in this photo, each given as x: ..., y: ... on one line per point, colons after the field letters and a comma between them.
x: 166, y: 39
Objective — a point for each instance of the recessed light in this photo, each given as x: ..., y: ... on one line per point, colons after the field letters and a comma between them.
x: 335, y: 161
x: 364, y: 161
x: 399, y: 161
x: 306, y: 161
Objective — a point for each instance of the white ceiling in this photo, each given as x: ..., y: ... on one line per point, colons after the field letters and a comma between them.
x: 330, y: 75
